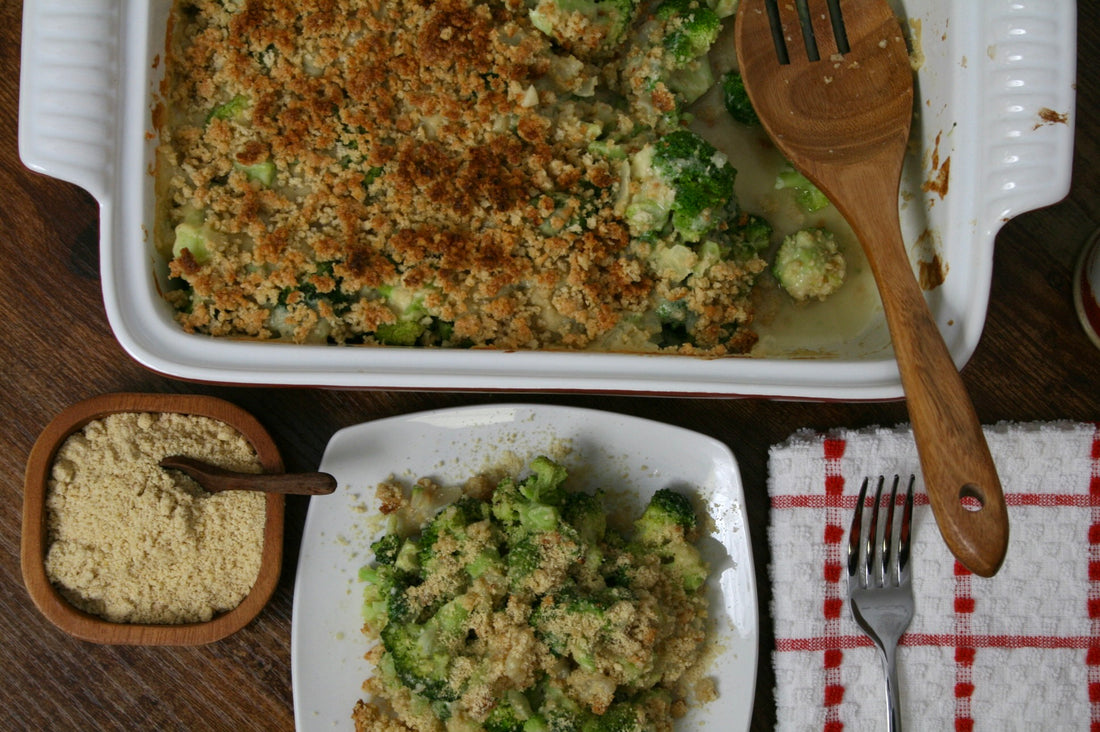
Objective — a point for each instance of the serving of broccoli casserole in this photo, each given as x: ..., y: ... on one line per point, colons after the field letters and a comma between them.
x: 513, y: 174
x: 520, y: 607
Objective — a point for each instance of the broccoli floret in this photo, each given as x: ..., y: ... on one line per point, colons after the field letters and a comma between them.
x: 585, y: 513
x: 427, y: 330
x: 531, y: 505
x: 684, y: 179
x: 748, y: 235
x: 674, y: 313
x: 451, y: 521
x: 262, y: 173
x: 517, y: 514
x: 808, y: 196
x: 754, y: 233
x: 408, y: 558
x: 667, y: 67
x: 307, y: 292
x: 372, y: 174
x: 488, y: 560
x: 809, y: 264
x: 561, y: 720
x: 701, y: 177
x: 691, y: 29
x: 685, y: 562
x: 399, y: 608
x: 522, y: 560
x: 403, y: 333
x: 610, y: 149
x: 231, y: 110
x: 584, y: 27
x: 424, y: 653
x: 555, y: 552
x: 386, y: 549
x: 384, y: 598
x: 572, y: 622
x: 736, y: 99
x: 619, y: 717
x: 667, y: 527
x: 556, y: 711
x: 544, y: 484
x: 510, y: 713
x: 621, y: 570
x: 414, y: 323
x: 380, y: 584
x: 649, y: 204
x: 667, y: 512
x: 555, y: 721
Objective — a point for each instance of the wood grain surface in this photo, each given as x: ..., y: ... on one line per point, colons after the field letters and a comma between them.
x: 1034, y: 362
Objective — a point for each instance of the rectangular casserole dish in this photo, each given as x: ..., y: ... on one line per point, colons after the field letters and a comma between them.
x: 993, y: 137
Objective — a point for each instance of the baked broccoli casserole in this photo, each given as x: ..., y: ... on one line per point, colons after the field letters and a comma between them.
x: 512, y: 174
x: 520, y: 607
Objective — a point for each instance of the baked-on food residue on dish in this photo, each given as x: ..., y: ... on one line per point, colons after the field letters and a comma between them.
x: 456, y: 173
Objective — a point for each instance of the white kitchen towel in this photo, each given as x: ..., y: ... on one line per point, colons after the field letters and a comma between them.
x: 1018, y: 651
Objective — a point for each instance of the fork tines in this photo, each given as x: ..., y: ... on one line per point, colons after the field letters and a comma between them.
x: 806, y: 24
x: 870, y: 552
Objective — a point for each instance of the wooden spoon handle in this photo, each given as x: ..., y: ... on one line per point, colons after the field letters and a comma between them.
x: 959, y: 474
x: 216, y: 479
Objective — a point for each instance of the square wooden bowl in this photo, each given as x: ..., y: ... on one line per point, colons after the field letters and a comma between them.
x: 35, y: 537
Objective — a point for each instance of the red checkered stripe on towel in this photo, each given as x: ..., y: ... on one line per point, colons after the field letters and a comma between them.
x: 1092, y: 657
x: 833, y: 604
x: 964, y: 650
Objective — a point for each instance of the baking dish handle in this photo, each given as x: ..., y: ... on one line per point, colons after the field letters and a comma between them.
x: 1029, y: 88
x: 68, y: 90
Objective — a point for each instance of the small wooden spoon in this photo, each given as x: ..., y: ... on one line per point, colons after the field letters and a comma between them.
x: 835, y: 94
x: 215, y: 479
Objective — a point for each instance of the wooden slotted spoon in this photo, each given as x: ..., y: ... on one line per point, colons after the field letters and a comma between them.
x: 834, y: 90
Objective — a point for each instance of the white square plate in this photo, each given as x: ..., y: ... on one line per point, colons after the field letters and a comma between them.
x: 610, y: 450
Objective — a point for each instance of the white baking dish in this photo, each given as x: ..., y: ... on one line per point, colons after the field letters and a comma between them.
x: 996, y: 97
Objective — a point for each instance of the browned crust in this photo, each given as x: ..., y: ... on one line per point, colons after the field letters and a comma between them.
x: 407, y: 153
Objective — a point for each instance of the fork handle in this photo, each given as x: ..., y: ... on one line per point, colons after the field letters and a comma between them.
x: 954, y: 456
x: 893, y: 695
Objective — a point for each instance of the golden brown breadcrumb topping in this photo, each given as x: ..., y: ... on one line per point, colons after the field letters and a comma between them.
x: 408, y: 172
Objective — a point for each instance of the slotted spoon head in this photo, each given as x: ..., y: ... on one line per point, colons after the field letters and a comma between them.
x: 834, y: 110
x: 839, y: 106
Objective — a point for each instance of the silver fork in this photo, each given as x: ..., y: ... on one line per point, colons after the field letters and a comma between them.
x: 879, y: 587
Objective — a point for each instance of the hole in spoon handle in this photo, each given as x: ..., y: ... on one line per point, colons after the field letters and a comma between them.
x: 973, y: 521
x: 971, y: 498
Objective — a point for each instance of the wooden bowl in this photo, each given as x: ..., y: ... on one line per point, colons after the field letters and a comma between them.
x: 34, y: 541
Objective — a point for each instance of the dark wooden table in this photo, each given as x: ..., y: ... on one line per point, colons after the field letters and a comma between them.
x: 1034, y: 362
